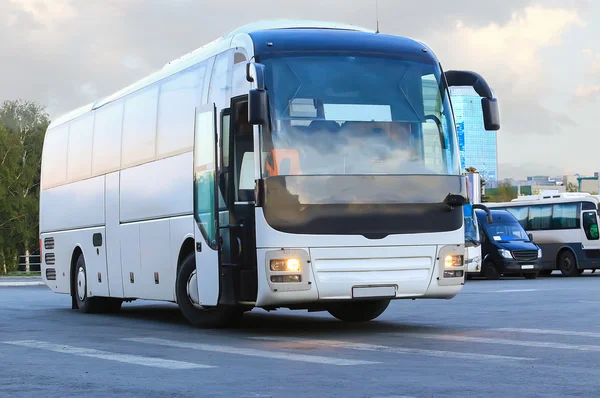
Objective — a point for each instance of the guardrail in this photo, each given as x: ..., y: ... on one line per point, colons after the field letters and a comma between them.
x: 28, y: 265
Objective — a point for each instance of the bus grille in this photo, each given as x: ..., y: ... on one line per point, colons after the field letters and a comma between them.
x: 51, y: 274
x: 50, y: 259
x: 525, y: 255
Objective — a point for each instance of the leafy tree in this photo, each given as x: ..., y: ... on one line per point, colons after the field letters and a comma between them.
x: 22, y: 128
x: 572, y: 187
x: 505, y: 192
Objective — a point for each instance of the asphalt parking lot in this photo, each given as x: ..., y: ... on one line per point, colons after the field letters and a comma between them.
x: 512, y: 337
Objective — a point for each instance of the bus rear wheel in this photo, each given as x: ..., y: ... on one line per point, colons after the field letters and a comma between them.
x: 567, y: 264
x: 88, y: 304
x: 358, y: 311
x: 187, y: 299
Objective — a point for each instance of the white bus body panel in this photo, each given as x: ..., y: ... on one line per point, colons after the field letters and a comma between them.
x: 113, y: 236
x: 95, y: 262
x: 337, y: 264
x: 73, y: 206
x: 159, y: 189
x: 473, y: 259
x: 337, y: 270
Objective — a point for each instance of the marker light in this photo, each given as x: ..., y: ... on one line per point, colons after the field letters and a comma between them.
x: 453, y: 260
x: 286, y: 265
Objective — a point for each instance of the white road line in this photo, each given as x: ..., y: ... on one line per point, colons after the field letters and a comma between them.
x: 109, y: 356
x: 18, y: 284
x: 252, y: 352
x: 553, y: 332
x: 488, y: 340
x: 392, y: 350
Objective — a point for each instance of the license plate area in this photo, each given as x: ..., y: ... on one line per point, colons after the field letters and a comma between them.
x: 527, y: 266
x: 373, y: 291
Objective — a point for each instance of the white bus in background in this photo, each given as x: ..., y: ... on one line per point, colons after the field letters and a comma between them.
x: 228, y: 181
x: 563, y: 225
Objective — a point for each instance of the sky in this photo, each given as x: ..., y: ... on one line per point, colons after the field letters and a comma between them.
x: 542, y: 58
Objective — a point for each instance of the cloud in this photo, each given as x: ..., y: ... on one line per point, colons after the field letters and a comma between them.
x: 508, y: 55
x: 587, y: 92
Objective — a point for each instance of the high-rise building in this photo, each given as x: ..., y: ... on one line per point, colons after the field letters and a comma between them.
x: 478, y: 147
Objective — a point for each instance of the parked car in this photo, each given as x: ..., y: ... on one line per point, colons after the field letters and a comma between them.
x: 506, y: 249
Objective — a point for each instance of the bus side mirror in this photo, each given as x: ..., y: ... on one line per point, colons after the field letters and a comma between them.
x: 491, y: 114
x: 258, y: 103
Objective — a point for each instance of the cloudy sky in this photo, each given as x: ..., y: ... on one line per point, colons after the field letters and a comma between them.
x: 541, y: 57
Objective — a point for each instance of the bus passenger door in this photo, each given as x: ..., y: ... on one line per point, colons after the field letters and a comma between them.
x: 206, y: 204
x: 590, y: 238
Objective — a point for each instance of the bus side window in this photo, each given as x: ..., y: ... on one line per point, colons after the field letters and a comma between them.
x: 590, y: 225
x: 246, y: 186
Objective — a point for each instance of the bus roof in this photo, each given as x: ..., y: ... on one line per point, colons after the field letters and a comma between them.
x: 206, y: 51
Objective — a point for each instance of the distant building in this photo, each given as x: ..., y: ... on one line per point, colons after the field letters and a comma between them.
x: 478, y: 147
x: 545, y: 180
x: 588, y: 184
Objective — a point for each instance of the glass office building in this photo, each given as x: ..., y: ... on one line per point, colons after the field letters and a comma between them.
x: 477, y: 146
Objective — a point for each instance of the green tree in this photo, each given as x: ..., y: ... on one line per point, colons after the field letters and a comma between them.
x: 22, y: 128
x: 572, y: 187
x: 505, y: 192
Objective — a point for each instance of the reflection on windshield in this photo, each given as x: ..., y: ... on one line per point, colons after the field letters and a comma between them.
x: 506, y: 232
x: 335, y: 115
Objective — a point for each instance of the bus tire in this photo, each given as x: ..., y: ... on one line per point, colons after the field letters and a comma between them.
x: 206, y: 318
x: 358, y: 311
x: 90, y: 305
x: 567, y: 263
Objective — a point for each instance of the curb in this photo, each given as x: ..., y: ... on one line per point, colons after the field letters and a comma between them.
x: 19, y: 284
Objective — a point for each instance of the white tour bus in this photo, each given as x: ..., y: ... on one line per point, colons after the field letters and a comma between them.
x: 563, y: 225
x: 300, y: 165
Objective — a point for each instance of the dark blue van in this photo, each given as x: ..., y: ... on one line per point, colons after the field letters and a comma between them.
x: 506, y: 249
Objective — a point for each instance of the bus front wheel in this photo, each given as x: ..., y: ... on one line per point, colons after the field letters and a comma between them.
x: 187, y: 299
x: 359, y: 311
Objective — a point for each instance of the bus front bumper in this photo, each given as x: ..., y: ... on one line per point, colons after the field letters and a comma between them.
x: 340, y: 274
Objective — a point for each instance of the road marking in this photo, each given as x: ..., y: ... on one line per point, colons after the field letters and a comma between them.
x: 109, y: 356
x: 554, y: 332
x: 590, y: 302
x: 19, y: 284
x: 392, y: 350
x: 488, y: 340
x: 252, y: 352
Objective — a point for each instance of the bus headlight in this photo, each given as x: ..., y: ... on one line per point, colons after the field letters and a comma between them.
x: 288, y: 270
x: 285, y: 265
x: 453, y: 261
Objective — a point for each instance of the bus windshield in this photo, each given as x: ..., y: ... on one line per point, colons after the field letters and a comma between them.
x: 357, y: 114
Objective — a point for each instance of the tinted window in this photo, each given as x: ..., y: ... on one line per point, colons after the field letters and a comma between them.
x: 588, y: 206
x: 540, y: 217
x: 565, y: 216
x: 590, y: 225
x: 521, y: 214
